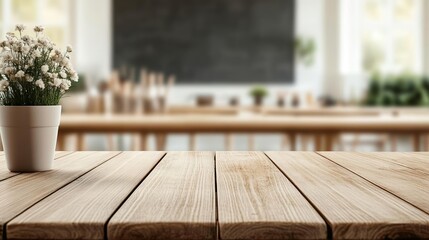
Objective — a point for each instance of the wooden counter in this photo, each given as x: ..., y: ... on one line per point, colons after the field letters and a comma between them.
x: 219, y: 195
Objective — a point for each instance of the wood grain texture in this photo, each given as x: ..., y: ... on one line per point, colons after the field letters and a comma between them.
x: 416, y: 160
x: 407, y: 183
x: 26, y: 189
x: 176, y: 201
x: 256, y: 201
x: 241, y: 123
x: 353, y: 207
x: 4, y: 171
x: 101, y: 191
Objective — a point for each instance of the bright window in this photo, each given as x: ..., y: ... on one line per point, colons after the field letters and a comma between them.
x: 390, y: 32
x: 52, y: 14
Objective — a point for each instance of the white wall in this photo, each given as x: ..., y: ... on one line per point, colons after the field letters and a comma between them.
x: 93, y: 52
x: 92, y: 27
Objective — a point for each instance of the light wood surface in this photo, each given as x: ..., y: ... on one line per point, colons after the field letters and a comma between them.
x: 353, y: 207
x: 113, y: 180
x: 405, y: 182
x: 5, y: 173
x: 176, y: 201
x: 255, y: 201
x: 229, y: 196
x: 418, y: 161
x: 24, y: 190
x: 240, y: 123
x: 326, y: 127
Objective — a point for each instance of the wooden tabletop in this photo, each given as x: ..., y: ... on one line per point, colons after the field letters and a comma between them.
x: 241, y: 123
x: 219, y: 195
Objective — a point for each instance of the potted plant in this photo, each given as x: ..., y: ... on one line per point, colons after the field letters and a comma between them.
x: 34, y: 76
x: 258, y: 93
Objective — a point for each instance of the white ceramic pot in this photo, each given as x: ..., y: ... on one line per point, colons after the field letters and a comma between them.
x: 29, y: 135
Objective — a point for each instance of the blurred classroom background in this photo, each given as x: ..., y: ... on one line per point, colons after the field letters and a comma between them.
x: 242, y: 61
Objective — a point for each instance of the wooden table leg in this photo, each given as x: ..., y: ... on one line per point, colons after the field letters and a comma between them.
x: 80, y: 142
x: 192, y: 142
x: 285, y: 141
x: 304, y: 142
x: 318, y: 145
x: 111, y: 144
x: 292, y: 140
x: 143, y: 141
x: 416, y: 142
x: 251, y: 142
x: 329, y: 142
x: 393, y: 142
x: 160, y: 141
x: 228, y: 142
x: 60, y: 142
x: 426, y: 142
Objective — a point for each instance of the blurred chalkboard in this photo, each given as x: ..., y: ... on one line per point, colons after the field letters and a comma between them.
x: 207, y: 41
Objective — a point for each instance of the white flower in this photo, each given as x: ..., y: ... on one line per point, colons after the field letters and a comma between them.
x: 37, y: 53
x: 69, y: 49
x: 19, y: 27
x: 28, y: 78
x: 7, y: 56
x: 3, y: 85
x: 25, y: 49
x: 40, y: 84
x: 57, y: 82
x: 65, y: 62
x: 63, y: 74
x: 39, y: 28
x: 65, y: 84
x: 26, y: 38
x: 20, y: 74
x: 9, y: 70
x: 45, y: 68
x: 74, y: 77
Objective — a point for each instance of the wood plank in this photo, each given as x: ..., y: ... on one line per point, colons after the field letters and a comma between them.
x: 26, y: 189
x: 353, y: 207
x: 416, y: 160
x: 62, y: 211
x: 176, y: 201
x: 5, y: 173
x: 256, y: 201
x: 404, y: 182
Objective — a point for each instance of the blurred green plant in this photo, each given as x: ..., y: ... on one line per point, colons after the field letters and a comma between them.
x: 305, y: 49
x: 399, y: 90
x: 259, y: 91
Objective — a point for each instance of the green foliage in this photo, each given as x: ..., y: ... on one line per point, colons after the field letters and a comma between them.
x: 259, y: 91
x: 305, y: 50
x: 28, y: 94
x: 401, y: 90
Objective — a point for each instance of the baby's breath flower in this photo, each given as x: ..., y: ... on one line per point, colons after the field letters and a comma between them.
x: 57, y: 82
x: 65, y: 84
x: 39, y: 29
x: 74, y: 77
x: 40, y: 84
x: 44, y: 68
x: 20, y: 74
x: 35, y: 60
x: 63, y: 74
x: 3, y: 85
x: 9, y: 70
x: 19, y: 27
x: 26, y: 38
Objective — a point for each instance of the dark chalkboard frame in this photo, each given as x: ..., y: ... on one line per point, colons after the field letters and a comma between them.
x: 207, y: 41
